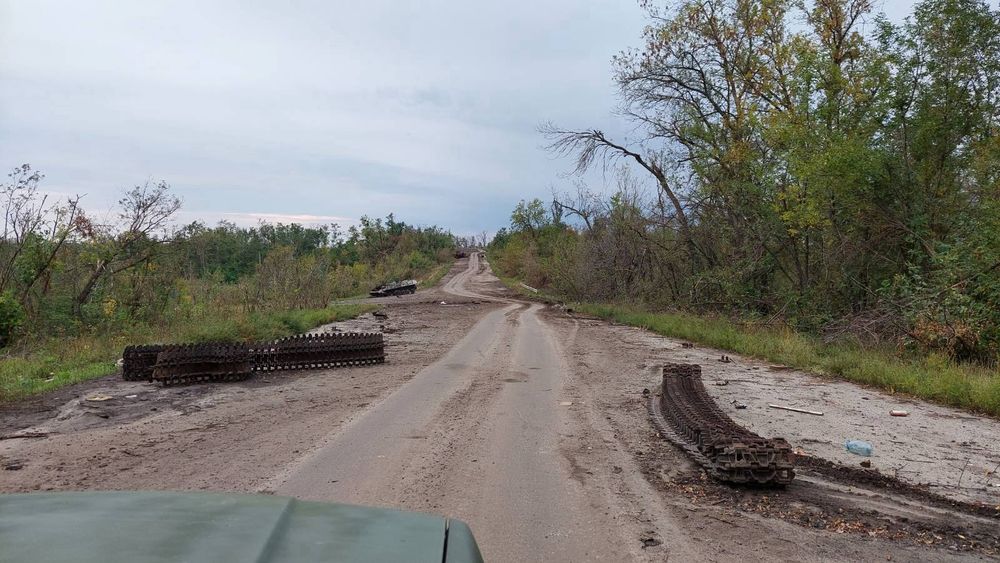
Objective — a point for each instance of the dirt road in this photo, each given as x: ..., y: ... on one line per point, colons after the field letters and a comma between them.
x: 529, y: 423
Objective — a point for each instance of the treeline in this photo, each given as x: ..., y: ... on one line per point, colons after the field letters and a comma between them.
x: 841, y: 176
x: 65, y: 272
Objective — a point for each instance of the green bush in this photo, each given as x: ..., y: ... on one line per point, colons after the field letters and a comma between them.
x: 11, y: 318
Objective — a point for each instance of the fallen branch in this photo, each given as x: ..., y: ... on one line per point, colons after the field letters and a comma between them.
x: 793, y: 409
x: 24, y: 435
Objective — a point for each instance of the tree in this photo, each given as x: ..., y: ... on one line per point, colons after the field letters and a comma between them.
x: 591, y: 145
x: 800, y: 169
x: 530, y: 216
x: 137, y: 236
x: 35, y: 232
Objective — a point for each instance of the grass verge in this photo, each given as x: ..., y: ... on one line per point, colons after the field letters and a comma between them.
x: 933, y: 378
x: 55, y: 362
x: 435, y: 275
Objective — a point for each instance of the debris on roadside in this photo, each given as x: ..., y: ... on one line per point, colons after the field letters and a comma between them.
x: 687, y: 416
x: 866, y: 463
x: 738, y: 404
x: 650, y: 542
x: 380, y: 315
x: 859, y: 447
x: 396, y: 288
x: 722, y: 383
x: 898, y: 412
x: 23, y: 435
x: 192, y: 363
x: 565, y: 403
x: 100, y: 397
x: 645, y: 392
x: 687, y: 345
x: 793, y: 409
x: 726, y: 359
x: 528, y: 287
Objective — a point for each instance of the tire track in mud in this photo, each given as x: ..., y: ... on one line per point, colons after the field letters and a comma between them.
x: 477, y: 435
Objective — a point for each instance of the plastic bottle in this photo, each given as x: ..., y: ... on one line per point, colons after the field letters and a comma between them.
x: 859, y: 447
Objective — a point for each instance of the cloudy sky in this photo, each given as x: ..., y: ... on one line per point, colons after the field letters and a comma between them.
x: 310, y: 110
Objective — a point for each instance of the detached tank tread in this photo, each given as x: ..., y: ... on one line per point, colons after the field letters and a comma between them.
x: 181, y: 364
x: 138, y: 362
x: 195, y: 363
x: 686, y: 414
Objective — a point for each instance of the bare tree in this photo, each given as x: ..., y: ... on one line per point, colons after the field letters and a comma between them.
x: 584, y: 204
x: 589, y: 146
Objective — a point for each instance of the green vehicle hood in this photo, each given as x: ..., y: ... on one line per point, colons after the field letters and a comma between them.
x: 139, y: 527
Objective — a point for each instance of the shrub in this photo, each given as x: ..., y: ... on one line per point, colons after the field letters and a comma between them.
x: 11, y: 317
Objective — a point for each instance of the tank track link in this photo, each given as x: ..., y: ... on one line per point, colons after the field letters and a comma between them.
x: 324, y: 350
x: 194, y: 363
x: 138, y: 362
x: 725, y: 449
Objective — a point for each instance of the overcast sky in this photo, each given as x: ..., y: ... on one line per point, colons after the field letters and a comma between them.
x: 309, y: 110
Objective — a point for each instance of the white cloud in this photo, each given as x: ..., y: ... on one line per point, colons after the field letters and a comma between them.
x: 286, y: 218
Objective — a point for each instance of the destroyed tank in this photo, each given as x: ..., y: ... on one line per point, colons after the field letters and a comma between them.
x: 395, y: 288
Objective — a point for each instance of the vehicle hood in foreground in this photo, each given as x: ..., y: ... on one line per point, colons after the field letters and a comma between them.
x: 139, y: 527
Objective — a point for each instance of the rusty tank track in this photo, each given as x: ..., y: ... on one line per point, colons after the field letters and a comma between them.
x: 324, y: 350
x: 686, y: 415
x: 193, y: 363
x: 138, y: 362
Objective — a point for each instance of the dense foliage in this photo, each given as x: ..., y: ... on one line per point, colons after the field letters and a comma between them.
x: 64, y: 273
x: 840, y: 175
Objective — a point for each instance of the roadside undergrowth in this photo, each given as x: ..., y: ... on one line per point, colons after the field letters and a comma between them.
x: 435, y: 275
x: 50, y: 363
x: 933, y: 378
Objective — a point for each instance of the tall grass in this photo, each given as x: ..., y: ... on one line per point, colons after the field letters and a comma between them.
x: 50, y: 363
x: 933, y: 378
x: 435, y: 274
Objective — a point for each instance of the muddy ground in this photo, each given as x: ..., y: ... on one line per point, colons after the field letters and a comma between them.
x: 933, y: 499
x: 837, y: 514
x: 215, y: 436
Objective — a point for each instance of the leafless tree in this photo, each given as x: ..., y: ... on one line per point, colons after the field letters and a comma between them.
x: 592, y: 145
x: 583, y: 204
